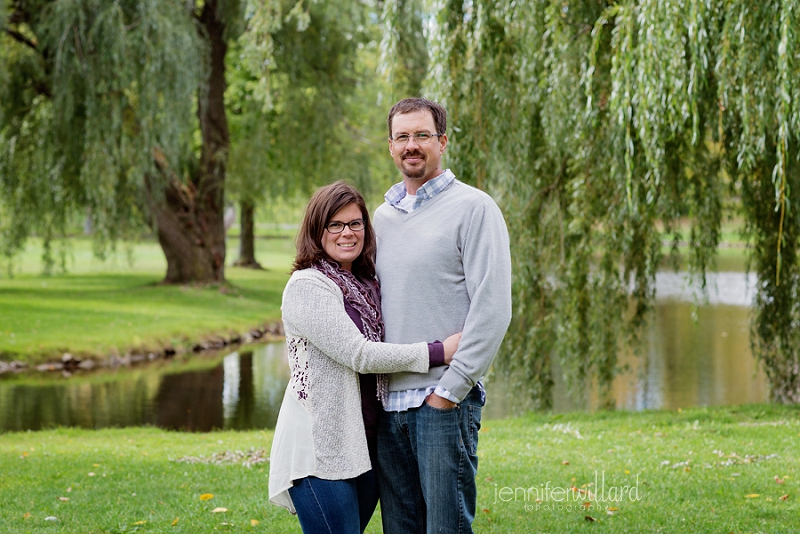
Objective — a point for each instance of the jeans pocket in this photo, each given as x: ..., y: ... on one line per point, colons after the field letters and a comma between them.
x: 474, y: 428
x: 454, y: 409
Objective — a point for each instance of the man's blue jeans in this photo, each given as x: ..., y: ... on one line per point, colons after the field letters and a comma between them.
x: 427, y: 462
x: 336, y: 506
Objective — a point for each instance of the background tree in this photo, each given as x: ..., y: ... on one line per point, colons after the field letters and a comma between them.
x: 599, y: 126
x: 98, y: 114
x: 321, y: 120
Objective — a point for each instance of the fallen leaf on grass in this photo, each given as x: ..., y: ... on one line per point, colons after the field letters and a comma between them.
x: 565, y: 462
x: 25, y: 453
x: 784, y: 497
x: 752, y: 495
x: 778, y: 480
x: 254, y: 522
x: 63, y: 499
x: 69, y: 489
x: 174, y: 522
x: 27, y: 515
x: 219, y: 510
x: 589, y: 518
x: 140, y: 522
x: 206, y: 496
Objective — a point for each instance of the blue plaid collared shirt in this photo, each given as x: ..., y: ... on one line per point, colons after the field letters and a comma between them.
x: 400, y: 401
x: 427, y: 191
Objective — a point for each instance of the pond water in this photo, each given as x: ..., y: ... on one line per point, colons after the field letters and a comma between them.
x: 695, y: 356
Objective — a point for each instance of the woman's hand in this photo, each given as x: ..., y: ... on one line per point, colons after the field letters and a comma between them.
x: 450, y: 347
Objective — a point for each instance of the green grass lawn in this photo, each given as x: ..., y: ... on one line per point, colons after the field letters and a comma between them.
x: 104, y: 308
x: 700, y: 470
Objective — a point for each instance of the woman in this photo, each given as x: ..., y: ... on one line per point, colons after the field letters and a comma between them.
x: 321, y: 459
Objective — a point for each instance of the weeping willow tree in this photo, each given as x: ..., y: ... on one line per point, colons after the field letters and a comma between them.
x: 317, y: 122
x: 601, y: 127
x: 404, y: 59
x: 103, y: 101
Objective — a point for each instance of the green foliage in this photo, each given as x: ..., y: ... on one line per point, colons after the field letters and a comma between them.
x: 304, y: 108
x: 93, y: 89
x: 404, y: 54
x: 601, y: 127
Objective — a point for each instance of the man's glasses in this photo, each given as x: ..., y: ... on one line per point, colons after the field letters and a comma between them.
x: 421, y: 138
x: 336, y: 227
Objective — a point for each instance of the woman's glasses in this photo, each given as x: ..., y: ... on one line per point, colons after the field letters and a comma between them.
x: 336, y: 227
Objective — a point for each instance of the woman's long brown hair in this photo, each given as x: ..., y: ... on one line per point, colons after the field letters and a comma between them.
x: 323, y: 205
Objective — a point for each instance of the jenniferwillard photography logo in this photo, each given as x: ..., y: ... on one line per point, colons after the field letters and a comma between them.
x: 549, y: 497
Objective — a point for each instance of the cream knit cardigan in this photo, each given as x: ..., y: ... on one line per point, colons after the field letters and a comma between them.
x: 320, y: 430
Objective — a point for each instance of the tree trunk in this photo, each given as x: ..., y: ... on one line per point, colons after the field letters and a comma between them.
x: 184, y: 231
x: 247, y: 249
x: 190, y: 217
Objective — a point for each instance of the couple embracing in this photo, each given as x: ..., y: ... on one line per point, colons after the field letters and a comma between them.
x: 376, y: 404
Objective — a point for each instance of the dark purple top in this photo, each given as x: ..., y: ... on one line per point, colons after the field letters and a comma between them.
x: 370, y: 405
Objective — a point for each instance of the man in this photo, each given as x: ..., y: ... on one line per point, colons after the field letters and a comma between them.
x: 444, y: 266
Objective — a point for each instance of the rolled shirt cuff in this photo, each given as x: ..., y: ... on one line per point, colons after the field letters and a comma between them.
x: 445, y: 394
x: 436, y: 354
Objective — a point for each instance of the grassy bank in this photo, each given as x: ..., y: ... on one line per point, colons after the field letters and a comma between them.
x: 700, y: 470
x: 103, y: 308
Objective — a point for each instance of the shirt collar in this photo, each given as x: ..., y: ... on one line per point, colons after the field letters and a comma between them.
x: 428, y: 190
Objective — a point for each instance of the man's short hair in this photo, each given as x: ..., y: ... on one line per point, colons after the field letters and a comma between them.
x: 420, y: 104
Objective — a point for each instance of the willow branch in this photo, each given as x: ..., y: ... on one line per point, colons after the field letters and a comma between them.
x: 17, y: 36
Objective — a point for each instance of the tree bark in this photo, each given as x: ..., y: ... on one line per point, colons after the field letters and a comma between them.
x: 190, y: 217
x: 183, y: 231
x: 247, y: 249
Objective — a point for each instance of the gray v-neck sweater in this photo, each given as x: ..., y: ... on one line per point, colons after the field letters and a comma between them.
x: 445, y: 268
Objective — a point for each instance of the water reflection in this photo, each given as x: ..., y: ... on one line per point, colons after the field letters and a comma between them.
x: 695, y: 356
x: 710, y: 361
x: 726, y: 288
x: 241, y: 391
x: 123, y: 403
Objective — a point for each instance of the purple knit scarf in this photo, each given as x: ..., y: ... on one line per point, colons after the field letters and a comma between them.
x: 358, y: 295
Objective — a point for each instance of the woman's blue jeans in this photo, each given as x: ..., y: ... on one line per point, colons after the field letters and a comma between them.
x: 427, y: 462
x: 335, y: 506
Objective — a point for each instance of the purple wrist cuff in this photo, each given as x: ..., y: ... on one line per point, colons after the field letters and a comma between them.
x: 436, y: 353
